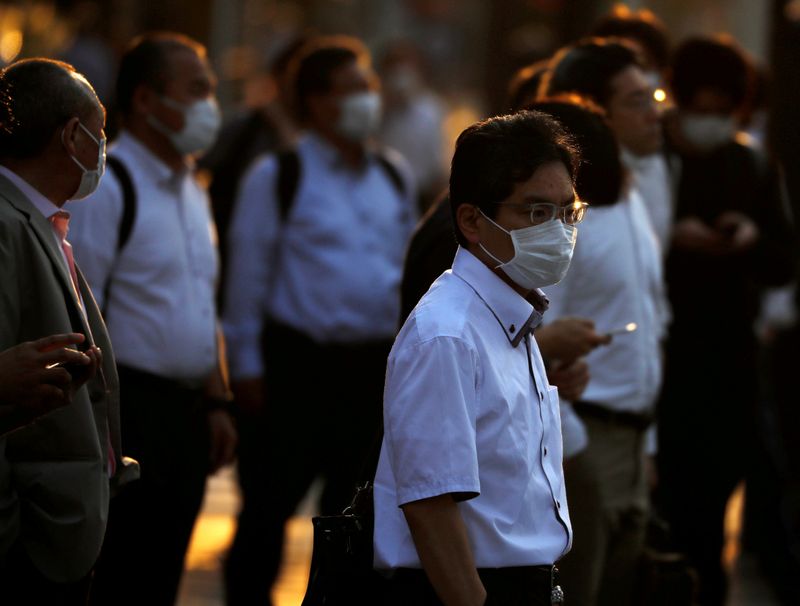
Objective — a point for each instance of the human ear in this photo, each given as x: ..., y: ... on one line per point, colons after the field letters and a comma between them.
x: 144, y: 98
x: 467, y: 217
x: 69, y: 134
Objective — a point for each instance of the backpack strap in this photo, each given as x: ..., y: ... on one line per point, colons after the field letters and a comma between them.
x: 289, y: 178
x: 128, y: 200
x: 392, y: 172
x: 126, y: 222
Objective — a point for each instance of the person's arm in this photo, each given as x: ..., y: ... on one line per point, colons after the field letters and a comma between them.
x: 251, y: 261
x: 223, y: 435
x: 443, y: 547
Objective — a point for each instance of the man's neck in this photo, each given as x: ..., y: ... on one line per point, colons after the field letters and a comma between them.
x: 352, y: 153
x: 157, y: 144
x: 39, y: 175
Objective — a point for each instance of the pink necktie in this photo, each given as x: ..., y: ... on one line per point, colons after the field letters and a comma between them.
x: 60, y: 221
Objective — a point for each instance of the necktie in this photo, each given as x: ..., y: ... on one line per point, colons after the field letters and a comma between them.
x: 60, y: 221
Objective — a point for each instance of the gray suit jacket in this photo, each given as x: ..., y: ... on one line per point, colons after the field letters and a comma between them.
x: 54, y: 484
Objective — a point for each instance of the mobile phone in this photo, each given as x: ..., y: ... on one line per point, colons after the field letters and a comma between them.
x: 73, y: 369
x: 629, y: 327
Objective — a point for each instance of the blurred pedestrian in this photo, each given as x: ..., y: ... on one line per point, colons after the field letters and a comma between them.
x: 146, y: 241
x: 249, y: 133
x: 731, y: 240
x: 611, y: 73
x: 616, y: 280
x: 311, y: 306
x: 413, y: 118
x: 56, y: 474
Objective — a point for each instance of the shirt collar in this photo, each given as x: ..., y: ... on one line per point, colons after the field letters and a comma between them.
x: 151, y: 164
x: 516, y: 315
x: 42, y: 204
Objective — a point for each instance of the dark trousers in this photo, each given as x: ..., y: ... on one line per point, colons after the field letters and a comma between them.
x: 150, y: 521
x: 706, y: 438
x: 21, y: 584
x: 518, y: 586
x: 321, y: 417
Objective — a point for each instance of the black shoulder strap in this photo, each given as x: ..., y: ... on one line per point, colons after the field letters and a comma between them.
x: 392, y: 172
x: 288, y: 178
x: 128, y: 200
x: 128, y: 217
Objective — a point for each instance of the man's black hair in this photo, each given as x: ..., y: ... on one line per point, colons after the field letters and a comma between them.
x: 494, y: 155
x: 587, y: 68
x: 642, y: 26
x: 313, y: 65
x: 601, y: 175
x: 718, y: 64
x: 147, y: 61
x: 525, y: 83
x: 37, y: 97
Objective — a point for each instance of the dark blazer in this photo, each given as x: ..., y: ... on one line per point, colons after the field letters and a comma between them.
x: 54, y: 484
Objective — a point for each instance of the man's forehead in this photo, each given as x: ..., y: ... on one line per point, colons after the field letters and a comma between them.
x: 629, y: 81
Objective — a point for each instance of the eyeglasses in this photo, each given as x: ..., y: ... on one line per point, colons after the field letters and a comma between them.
x: 542, y: 212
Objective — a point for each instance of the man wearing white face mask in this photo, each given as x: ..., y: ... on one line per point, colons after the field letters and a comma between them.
x: 56, y: 474
x: 731, y: 241
x: 146, y: 239
x: 470, y: 505
x: 311, y: 304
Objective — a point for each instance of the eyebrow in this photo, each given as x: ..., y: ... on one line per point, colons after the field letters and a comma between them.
x: 537, y: 200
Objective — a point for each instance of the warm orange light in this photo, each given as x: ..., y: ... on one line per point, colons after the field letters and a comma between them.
x: 660, y: 95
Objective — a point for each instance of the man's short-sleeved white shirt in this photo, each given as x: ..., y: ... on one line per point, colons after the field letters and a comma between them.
x: 468, y: 411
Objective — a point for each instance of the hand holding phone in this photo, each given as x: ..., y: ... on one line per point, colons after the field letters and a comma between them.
x: 629, y: 327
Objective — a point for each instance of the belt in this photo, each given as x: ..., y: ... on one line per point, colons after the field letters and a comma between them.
x: 637, y: 421
x: 503, y: 585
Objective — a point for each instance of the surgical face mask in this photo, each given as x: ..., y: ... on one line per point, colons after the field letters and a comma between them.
x: 542, y: 253
x: 707, y: 132
x: 90, y: 178
x: 201, y: 123
x: 359, y: 116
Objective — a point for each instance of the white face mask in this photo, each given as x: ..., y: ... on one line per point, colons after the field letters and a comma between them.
x: 542, y: 253
x: 90, y: 178
x: 359, y: 116
x: 707, y: 132
x: 201, y: 123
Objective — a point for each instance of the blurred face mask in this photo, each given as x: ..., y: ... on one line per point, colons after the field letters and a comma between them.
x: 542, y: 253
x: 359, y: 115
x: 201, y: 123
x: 707, y: 132
x: 90, y: 178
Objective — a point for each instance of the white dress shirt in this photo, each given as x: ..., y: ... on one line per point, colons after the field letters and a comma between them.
x: 616, y: 278
x: 651, y: 177
x: 331, y: 269
x: 161, y: 312
x: 468, y: 411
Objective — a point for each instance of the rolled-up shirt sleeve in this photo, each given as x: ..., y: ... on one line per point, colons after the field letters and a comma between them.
x: 430, y: 412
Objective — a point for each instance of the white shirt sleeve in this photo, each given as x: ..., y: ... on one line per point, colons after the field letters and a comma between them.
x: 430, y: 406
x: 94, y: 233
x: 252, y: 246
